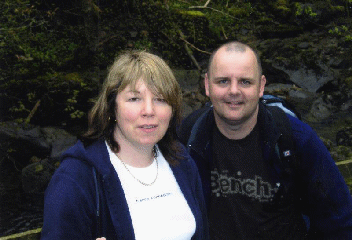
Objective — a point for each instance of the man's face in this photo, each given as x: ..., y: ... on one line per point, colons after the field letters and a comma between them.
x: 234, y: 86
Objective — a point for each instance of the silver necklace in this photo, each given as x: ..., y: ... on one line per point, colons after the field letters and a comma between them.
x: 157, y: 171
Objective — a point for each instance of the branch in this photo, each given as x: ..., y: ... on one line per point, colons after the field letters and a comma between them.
x: 223, y: 31
x: 199, y: 50
x: 35, y: 108
x: 189, y: 51
x: 205, y: 5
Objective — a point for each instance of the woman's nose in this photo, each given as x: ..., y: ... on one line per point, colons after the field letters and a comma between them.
x: 148, y: 108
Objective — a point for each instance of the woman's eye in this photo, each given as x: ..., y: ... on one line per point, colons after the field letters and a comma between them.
x: 160, y: 100
x: 133, y: 99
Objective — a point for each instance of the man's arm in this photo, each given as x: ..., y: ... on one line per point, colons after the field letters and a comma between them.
x: 326, y: 196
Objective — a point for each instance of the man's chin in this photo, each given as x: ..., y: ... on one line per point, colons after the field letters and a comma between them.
x: 232, y: 120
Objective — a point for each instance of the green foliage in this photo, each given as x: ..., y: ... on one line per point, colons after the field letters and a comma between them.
x: 173, y: 31
x: 71, y: 106
x: 342, y: 31
x: 227, y: 22
x: 63, y: 98
x: 282, y: 7
x: 309, y: 12
x: 33, y: 45
x: 144, y: 44
x: 46, y: 45
x: 304, y: 11
x: 298, y: 9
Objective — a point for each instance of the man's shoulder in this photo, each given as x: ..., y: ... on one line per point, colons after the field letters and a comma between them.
x: 299, y: 127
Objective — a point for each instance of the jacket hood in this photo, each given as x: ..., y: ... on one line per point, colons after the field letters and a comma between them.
x: 95, y: 155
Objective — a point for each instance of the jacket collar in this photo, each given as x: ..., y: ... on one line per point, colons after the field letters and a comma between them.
x: 201, y: 132
x: 268, y: 130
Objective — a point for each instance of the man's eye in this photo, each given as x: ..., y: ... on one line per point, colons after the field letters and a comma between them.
x: 246, y: 82
x: 223, y: 81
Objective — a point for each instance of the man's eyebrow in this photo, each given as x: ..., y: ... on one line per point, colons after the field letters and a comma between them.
x: 220, y: 78
x: 247, y: 78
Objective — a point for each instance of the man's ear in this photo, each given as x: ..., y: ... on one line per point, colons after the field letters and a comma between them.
x: 206, y: 84
x: 262, y: 85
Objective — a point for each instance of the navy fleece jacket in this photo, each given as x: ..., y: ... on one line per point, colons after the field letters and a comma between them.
x: 71, y: 198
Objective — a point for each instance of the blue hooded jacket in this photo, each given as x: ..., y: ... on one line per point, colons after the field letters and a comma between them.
x: 322, y: 193
x: 70, y: 208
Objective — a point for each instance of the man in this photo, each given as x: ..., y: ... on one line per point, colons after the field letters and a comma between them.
x: 251, y: 192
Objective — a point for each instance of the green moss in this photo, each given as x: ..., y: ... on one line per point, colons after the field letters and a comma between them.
x: 348, y: 82
x: 344, y: 151
x: 39, y: 168
x: 349, y: 183
x: 338, y: 9
x: 75, y: 76
x: 193, y: 13
x: 264, y: 20
x: 239, y: 12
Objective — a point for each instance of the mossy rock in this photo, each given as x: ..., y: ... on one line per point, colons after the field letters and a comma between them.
x: 239, y: 12
x: 348, y: 82
x: 74, y: 76
x: 282, y: 30
x: 341, y: 153
x: 349, y: 183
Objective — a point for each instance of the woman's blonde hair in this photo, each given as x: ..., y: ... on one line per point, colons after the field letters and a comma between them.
x: 127, y: 70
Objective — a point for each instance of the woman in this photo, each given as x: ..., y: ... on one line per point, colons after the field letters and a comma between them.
x: 133, y: 180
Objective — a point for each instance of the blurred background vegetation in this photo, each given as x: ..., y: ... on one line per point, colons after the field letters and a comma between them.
x: 54, y: 53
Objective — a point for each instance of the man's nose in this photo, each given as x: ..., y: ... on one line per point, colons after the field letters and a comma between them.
x: 234, y: 87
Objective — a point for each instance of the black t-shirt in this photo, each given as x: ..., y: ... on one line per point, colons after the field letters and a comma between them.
x: 241, y: 191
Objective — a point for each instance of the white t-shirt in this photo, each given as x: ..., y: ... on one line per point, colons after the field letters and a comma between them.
x: 159, y: 211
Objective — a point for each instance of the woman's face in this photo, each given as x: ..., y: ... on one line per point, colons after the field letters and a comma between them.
x: 142, y: 117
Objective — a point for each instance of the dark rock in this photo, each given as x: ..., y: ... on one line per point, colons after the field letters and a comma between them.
x: 344, y: 137
x: 304, y: 45
x: 274, y: 75
x: 36, y: 176
x: 309, y: 79
x: 27, y: 145
x: 321, y: 109
x: 188, y: 79
x: 278, y: 88
x: 187, y: 109
x: 340, y: 63
x: 22, y: 141
x: 346, y: 105
x: 299, y: 94
x: 59, y: 139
